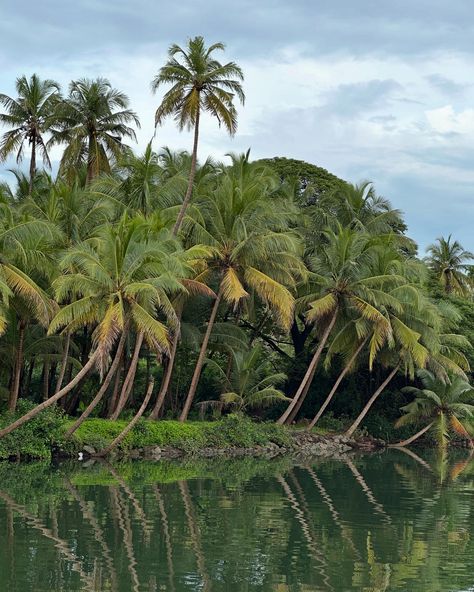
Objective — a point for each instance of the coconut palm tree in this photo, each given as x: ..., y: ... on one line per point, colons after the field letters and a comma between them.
x: 92, y: 121
x: 117, y: 281
x: 200, y: 83
x: 348, y: 283
x: 252, y: 249
x: 30, y: 116
x: 448, y: 261
x: 438, y: 407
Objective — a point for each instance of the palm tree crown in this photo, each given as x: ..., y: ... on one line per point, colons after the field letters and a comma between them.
x: 29, y: 116
x: 93, y: 121
x: 449, y: 262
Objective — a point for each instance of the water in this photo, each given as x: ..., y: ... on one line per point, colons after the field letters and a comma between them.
x: 373, y: 524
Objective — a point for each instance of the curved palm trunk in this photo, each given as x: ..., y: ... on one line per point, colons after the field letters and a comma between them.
x: 45, y: 404
x: 128, y: 382
x: 32, y: 164
x: 166, y: 378
x: 62, y: 372
x: 410, y: 440
x: 131, y: 424
x: 90, y: 159
x: 96, y: 400
x: 336, y: 384
x: 115, y: 392
x: 15, y: 389
x: 192, y: 174
x: 302, y: 391
x: 201, y: 357
x: 371, y: 401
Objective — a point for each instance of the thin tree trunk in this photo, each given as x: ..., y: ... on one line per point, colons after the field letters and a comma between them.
x: 15, y: 389
x: 32, y: 164
x: 64, y: 391
x: 128, y: 382
x: 336, y: 384
x: 64, y: 359
x: 26, y: 387
x: 308, y: 377
x: 90, y: 160
x: 113, y: 399
x: 410, y: 440
x: 131, y: 424
x: 101, y: 392
x: 45, y: 380
x: 192, y: 174
x: 201, y: 357
x: 166, y: 377
x: 371, y: 401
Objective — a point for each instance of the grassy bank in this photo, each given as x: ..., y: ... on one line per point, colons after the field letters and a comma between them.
x: 45, y: 435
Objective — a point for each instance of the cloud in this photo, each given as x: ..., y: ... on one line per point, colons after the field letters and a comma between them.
x: 446, y: 121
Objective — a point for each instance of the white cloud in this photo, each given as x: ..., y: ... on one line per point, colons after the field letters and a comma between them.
x: 445, y: 120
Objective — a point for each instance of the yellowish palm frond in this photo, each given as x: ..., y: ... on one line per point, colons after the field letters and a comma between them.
x: 24, y: 287
x: 232, y: 288
x: 154, y: 331
x: 321, y: 307
x: 272, y: 293
x: 107, y: 332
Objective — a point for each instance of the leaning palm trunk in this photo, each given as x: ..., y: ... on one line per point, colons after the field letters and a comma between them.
x: 336, y: 384
x: 302, y: 391
x: 131, y: 424
x: 371, y: 401
x: 192, y: 174
x: 166, y: 378
x: 100, y: 394
x: 128, y: 382
x: 410, y: 440
x: 45, y: 404
x: 15, y: 390
x: 201, y: 357
x: 62, y: 371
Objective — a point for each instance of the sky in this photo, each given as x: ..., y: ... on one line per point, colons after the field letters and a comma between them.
x: 377, y: 90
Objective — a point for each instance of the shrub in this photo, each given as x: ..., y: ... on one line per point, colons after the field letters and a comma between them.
x: 36, y: 438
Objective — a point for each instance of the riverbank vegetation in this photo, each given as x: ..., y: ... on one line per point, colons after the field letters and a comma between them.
x: 269, y: 287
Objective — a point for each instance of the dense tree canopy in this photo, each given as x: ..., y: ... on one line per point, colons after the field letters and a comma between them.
x: 279, y: 289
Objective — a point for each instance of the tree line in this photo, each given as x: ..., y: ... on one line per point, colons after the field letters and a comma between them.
x: 245, y: 285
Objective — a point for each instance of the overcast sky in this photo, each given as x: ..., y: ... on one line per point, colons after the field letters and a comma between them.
x: 369, y: 89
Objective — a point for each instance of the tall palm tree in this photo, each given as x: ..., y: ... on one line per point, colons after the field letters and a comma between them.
x: 30, y: 116
x: 438, y: 407
x: 448, y: 261
x: 200, y: 83
x: 93, y: 121
x: 252, y: 249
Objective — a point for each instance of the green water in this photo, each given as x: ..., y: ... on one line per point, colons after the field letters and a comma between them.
x: 389, y: 522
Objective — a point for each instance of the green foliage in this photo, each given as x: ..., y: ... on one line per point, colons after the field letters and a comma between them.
x: 35, y: 439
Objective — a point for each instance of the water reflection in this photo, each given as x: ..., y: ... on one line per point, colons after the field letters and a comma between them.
x: 401, y: 520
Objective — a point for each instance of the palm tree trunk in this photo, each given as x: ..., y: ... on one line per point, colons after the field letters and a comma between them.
x: 15, y: 389
x: 131, y: 424
x: 410, y: 440
x: 371, y: 401
x: 45, y: 380
x: 62, y: 372
x: 166, y: 378
x: 192, y: 174
x: 64, y: 391
x: 336, y: 384
x: 200, y: 360
x: 128, y: 382
x: 90, y: 160
x: 114, y: 397
x: 96, y: 400
x: 26, y: 387
x: 308, y: 377
x: 32, y: 164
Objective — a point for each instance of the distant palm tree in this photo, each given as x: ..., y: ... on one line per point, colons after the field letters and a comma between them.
x: 30, y: 116
x: 199, y: 83
x: 449, y: 262
x: 439, y: 407
x: 93, y: 121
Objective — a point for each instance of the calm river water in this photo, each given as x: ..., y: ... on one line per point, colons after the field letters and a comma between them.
x: 388, y: 522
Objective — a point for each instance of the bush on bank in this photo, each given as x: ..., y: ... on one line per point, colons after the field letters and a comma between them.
x: 43, y: 436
